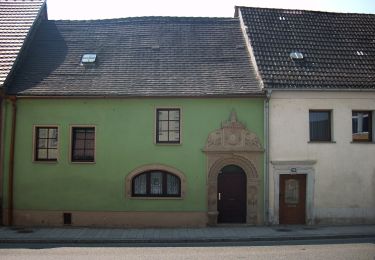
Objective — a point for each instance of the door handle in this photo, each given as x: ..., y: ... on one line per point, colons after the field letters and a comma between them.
x: 219, y: 195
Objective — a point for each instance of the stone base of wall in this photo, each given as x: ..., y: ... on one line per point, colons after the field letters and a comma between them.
x: 344, y: 216
x: 335, y: 216
x: 108, y: 219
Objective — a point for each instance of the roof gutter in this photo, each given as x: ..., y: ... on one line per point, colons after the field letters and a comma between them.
x: 11, y: 160
x: 322, y: 89
x: 1, y: 153
x: 255, y: 95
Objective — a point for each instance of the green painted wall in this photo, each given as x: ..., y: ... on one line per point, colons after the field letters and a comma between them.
x: 124, y: 141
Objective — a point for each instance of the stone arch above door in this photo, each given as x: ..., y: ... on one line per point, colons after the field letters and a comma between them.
x: 233, y: 144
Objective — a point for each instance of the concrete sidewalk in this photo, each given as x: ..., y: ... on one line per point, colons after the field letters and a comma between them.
x: 181, y: 235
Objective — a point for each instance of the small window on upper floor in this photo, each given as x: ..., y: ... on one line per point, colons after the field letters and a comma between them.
x: 88, y: 58
x: 362, y: 126
x: 320, y: 125
x: 168, y: 121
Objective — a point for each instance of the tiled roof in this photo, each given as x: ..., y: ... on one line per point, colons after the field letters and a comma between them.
x: 338, y: 48
x: 145, y: 56
x: 16, y: 19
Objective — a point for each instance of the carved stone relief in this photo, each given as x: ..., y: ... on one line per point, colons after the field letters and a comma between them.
x: 232, y: 136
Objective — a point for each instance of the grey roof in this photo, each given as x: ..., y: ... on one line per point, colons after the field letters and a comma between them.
x: 16, y: 20
x: 145, y: 56
x: 338, y: 48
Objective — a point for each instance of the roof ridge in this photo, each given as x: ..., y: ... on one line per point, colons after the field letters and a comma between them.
x: 152, y: 18
x: 21, y: 1
x: 301, y: 10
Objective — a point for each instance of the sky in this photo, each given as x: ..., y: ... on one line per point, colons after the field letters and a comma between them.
x: 103, y: 9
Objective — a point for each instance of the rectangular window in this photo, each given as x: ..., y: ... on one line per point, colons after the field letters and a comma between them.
x: 362, y: 126
x: 320, y: 125
x: 46, y: 140
x: 168, y: 125
x: 83, y: 144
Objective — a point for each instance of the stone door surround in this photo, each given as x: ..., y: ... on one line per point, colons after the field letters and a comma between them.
x: 233, y: 144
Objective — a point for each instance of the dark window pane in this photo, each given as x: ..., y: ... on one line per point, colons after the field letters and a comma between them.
x: 79, y: 135
x: 90, y: 144
x: 90, y: 135
x: 79, y: 144
x: 320, y: 126
x: 89, y: 155
x: 354, y: 125
x: 78, y: 154
x: 83, y: 144
x: 365, y: 122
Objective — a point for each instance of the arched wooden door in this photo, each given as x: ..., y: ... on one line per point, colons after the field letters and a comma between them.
x: 231, y: 197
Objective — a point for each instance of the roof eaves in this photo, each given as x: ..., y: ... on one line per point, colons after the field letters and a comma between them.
x: 250, y: 50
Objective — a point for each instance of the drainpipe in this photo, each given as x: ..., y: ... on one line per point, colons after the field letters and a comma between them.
x: 267, y: 156
x: 11, y: 161
x: 1, y: 155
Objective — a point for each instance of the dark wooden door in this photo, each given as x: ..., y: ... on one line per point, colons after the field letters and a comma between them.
x: 292, y: 199
x: 231, y: 195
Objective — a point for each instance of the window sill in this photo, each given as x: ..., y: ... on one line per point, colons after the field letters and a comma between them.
x: 168, y: 144
x: 321, y: 142
x: 82, y: 162
x: 362, y: 142
x: 156, y: 198
x: 45, y: 162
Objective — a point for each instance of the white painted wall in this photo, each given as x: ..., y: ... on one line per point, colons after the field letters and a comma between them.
x: 344, y: 186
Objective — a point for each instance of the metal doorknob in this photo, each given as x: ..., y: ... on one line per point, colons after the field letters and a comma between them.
x: 219, y: 195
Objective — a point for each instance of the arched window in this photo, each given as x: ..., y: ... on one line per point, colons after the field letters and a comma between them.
x: 156, y: 183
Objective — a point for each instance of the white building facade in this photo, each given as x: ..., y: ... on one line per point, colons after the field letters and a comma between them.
x: 318, y: 70
x: 340, y: 173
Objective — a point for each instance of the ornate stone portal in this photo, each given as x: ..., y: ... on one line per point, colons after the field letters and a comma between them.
x: 233, y: 144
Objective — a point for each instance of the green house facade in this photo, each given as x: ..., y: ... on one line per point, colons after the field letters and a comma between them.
x: 138, y: 122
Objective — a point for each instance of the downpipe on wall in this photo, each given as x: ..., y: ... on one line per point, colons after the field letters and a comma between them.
x: 13, y: 99
x: 267, y: 156
x: 1, y: 154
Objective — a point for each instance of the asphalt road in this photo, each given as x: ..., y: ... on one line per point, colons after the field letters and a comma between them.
x: 345, y: 249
